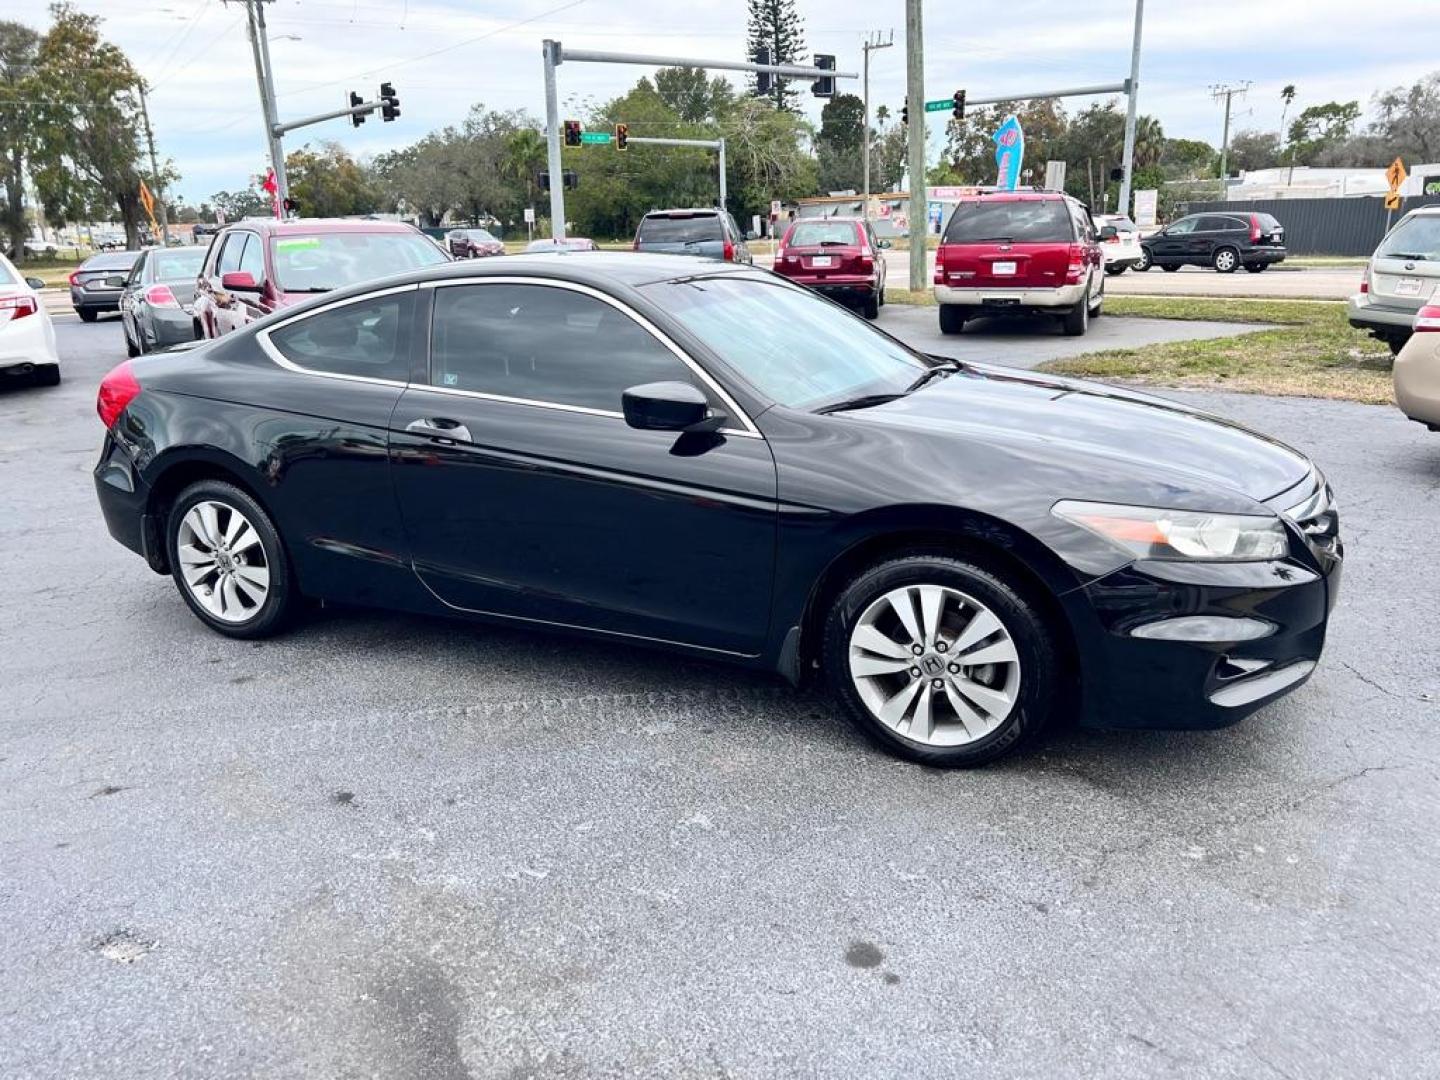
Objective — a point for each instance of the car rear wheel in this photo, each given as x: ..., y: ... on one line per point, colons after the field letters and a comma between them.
x: 228, y: 561
x: 870, y: 306
x: 940, y: 661
x: 952, y: 319
x: 87, y: 315
x: 1169, y: 269
x: 1226, y: 260
x: 1144, y: 262
x: 1077, y: 320
x: 1115, y: 269
x: 1396, y: 344
x: 1255, y: 268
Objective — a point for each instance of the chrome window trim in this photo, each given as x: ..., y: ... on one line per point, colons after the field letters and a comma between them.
x: 748, y: 430
x: 279, y: 358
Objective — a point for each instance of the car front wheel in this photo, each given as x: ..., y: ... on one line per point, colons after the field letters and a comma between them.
x: 228, y: 561
x: 940, y: 661
x: 1226, y: 260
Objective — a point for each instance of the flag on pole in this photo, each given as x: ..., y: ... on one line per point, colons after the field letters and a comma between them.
x: 1009, y: 142
x: 273, y: 187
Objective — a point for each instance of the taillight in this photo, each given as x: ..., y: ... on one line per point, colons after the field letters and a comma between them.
x: 729, y: 253
x: 939, y: 268
x: 1365, y: 282
x: 75, y: 278
x: 160, y: 296
x: 1255, y: 232
x: 1427, y: 319
x: 17, y: 307
x: 780, y: 254
x: 1076, y: 267
x: 117, y: 390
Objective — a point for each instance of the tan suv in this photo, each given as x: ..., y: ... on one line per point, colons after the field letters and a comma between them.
x: 1403, y: 276
x: 1417, y: 369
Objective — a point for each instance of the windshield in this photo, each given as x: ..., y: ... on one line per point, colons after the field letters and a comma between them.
x: 816, y: 233
x: 170, y: 266
x: 1418, y: 238
x: 793, y: 346
x: 328, y: 261
x: 680, y: 230
x: 1020, y: 221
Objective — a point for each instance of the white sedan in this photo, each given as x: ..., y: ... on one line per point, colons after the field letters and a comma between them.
x: 27, y: 336
x: 1122, y: 250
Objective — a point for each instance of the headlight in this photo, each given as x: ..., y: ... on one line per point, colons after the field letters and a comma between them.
x: 1150, y: 533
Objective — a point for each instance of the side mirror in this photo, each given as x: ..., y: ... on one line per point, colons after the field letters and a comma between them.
x: 238, y: 281
x: 35, y: 282
x: 1108, y: 232
x: 665, y: 406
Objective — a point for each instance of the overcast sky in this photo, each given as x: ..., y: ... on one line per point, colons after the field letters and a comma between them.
x: 444, y: 55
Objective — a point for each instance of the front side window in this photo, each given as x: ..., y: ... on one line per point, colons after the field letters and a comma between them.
x: 252, y: 259
x: 545, y: 344
x: 229, y: 260
x: 1181, y: 227
x: 369, y: 338
x: 1016, y: 221
x: 793, y: 346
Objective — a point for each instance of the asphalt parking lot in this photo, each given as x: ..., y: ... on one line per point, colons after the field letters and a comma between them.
x: 402, y: 847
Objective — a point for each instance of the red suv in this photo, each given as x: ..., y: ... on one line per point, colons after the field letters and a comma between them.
x: 836, y: 256
x: 255, y: 267
x: 1019, y: 253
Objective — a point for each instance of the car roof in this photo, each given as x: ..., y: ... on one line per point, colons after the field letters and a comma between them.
x: 1018, y: 196
x: 693, y: 211
x: 310, y: 226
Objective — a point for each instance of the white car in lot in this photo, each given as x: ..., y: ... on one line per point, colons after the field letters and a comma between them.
x: 1122, y: 250
x: 27, y: 336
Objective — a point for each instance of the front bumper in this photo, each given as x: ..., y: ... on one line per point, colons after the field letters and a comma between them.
x: 1135, y: 682
x: 997, y: 300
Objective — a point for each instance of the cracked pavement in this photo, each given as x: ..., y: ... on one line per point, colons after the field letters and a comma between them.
x: 402, y: 847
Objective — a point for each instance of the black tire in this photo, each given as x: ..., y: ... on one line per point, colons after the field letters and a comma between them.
x: 1170, y: 269
x: 47, y: 375
x: 952, y: 319
x: 1076, y: 321
x: 1226, y: 260
x: 131, y: 349
x: 1255, y: 268
x: 279, y: 604
x: 87, y: 314
x: 1396, y: 344
x: 1040, y: 666
x: 1145, y: 262
x: 1116, y: 269
x: 870, y: 307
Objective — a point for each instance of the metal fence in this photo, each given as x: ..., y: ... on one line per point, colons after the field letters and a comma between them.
x: 1322, y: 226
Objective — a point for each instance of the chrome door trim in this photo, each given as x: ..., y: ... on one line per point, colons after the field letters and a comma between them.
x: 270, y: 350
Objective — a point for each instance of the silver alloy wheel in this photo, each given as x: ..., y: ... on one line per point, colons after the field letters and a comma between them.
x: 1225, y: 260
x: 934, y: 665
x: 223, y: 561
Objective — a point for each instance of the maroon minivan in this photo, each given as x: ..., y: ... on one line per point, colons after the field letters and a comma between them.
x: 255, y: 267
x: 836, y: 256
x: 1020, y: 253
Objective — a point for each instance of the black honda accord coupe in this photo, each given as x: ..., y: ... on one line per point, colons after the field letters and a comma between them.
x: 705, y: 458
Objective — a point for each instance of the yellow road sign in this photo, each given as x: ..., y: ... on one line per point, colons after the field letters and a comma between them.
x: 1396, y: 174
x: 1392, y: 201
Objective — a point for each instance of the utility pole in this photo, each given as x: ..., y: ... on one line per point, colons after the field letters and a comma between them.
x: 1123, y: 206
x: 1227, y: 92
x: 872, y: 44
x: 915, y: 96
x: 264, y: 75
x: 155, y: 170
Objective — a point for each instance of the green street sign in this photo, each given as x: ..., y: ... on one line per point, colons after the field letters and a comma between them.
x: 589, y: 137
x: 943, y: 105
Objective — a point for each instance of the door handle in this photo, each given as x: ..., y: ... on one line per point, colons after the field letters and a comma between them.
x: 440, y: 428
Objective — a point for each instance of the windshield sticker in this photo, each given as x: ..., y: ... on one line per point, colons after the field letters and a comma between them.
x: 296, y: 243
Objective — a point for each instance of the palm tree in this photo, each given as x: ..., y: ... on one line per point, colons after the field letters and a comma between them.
x: 1149, y: 141
x: 1287, y: 95
x: 525, y: 155
x: 882, y: 114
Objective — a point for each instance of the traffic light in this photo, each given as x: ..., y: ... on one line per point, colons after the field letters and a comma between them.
x: 572, y: 132
x: 568, y: 177
x: 290, y: 206
x: 764, y: 81
x: 622, y: 136
x: 356, y: 119
x: 959, y: 104
x: 389, y: 103
x: 824, y: 86
x: 905, y: 112
x: 1117, y: 174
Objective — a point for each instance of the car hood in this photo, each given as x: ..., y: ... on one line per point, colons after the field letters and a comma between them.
x: 1116, y: 430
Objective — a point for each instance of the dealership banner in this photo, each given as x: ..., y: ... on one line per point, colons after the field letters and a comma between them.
x: 1009, y: 153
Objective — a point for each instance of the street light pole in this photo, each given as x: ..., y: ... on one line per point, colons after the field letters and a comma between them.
x: 1123, y: 206
x: 869, y: 46
x: 915, y: 89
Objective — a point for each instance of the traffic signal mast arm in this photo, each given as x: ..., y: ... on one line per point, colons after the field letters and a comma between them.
x: 364, y: 108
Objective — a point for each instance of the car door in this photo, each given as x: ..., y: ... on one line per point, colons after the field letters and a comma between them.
x: 223, y: 310
x: 130, y: 299
x: 1171, y: 245
x: 525, y: 494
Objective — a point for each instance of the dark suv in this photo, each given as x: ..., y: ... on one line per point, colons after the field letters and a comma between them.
x: 711, y: 234
x: 1026, y: 252
x: 1225, y: 241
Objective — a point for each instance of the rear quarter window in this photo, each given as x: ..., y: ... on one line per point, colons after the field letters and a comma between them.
x: 1019, y: 221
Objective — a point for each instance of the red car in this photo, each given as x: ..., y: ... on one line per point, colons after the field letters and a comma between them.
x: 256, y: 267
x: 839, y: 257
x: 1020, y: 253
x: 473, y: 243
